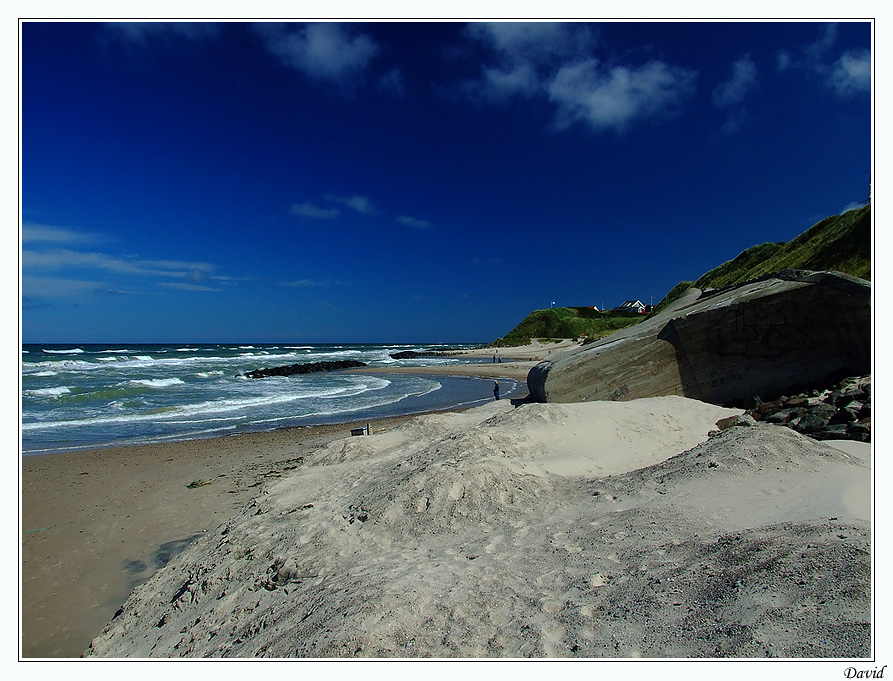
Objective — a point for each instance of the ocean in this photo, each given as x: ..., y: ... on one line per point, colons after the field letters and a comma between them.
x: 85, y: 396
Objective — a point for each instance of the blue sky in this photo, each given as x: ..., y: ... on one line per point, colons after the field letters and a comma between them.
x: 414, y: 182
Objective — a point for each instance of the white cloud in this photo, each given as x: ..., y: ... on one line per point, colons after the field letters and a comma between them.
x: 743, y: 80
x: 555, y: 61
x: 415, y: 223
x: 612, y: 98
x: 392, y: 82
x: 734, y: 121
x: 851, y: 74
x: 498, y: 84
x: 535, y: 42
x: 57, y: 287
x: 308, y: 210
x: 34, y: 233
x: 52, y: 267
x: 65, y: 258
x: 525, y: 56
x: 360, y: 204
x: 846, y: 76
x: 324, y: 52
x: 309, y: 283
x: 816, y: 51
x: 142, y: 32
x: 783, y: 60
x: 180, y: 286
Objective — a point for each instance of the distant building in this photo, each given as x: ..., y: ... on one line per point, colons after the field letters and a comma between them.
x: 630, y: 307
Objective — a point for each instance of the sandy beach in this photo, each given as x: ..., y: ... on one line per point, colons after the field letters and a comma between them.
x: 605, y: 529
x: 598, y: 530
x: 96, y: 523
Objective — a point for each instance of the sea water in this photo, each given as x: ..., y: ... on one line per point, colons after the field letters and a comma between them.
x: 84, y: 396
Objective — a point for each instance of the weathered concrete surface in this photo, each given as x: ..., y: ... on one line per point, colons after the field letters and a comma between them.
x: 782, y: 333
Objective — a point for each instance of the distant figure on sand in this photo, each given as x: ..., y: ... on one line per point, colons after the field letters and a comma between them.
x: 496, y: 389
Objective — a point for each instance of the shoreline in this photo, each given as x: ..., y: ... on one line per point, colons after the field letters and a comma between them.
x: 98, y: 522
x: 516, y: 371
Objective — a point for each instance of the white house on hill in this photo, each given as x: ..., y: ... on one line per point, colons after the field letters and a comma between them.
x: 631, y: 307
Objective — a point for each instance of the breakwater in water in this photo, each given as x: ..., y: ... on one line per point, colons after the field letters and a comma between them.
x: 79, y: 396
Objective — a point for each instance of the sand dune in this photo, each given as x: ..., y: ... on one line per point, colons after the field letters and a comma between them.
x: 587, y: 530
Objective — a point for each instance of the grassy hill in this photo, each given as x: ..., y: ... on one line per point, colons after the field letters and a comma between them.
x: 841, y: 243
x: 565, y: 322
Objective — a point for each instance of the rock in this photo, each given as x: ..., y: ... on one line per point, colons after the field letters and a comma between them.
x: 859, y: 431
x: 845, y: 415
x: 836, y: 431
x: 768, y: 407
x: 305, y: 368
x: 738, y: 420
x: 767, y: 337
x: 822, y: 411
x: 785, y: 415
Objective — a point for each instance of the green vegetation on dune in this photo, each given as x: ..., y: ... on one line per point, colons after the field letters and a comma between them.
x: 565, y: 322
x: 676, y: 292
x: 841, y: 243
x: 731, y: 272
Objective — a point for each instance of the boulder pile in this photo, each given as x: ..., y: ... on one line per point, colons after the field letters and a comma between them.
x: 840, y: 413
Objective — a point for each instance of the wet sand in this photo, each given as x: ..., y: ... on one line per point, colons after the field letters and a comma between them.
x: 97, y: 523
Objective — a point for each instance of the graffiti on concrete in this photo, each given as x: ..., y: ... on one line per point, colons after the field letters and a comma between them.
x: 721, y: 376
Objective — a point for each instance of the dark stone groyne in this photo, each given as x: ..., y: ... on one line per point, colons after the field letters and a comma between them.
x: 414, y: 354
x: 305, y: 368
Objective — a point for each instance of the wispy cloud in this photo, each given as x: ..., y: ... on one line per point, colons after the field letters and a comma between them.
x: 189, y: 287
x: 851, y: 73
x: 36, y: 233
x: 555, y: 62
x: 55, y: 265
x: 36, y: 287
x: 360, y: 204
x: 730, y: 95
x: 309, y: 283
x: 743, y: 80
x: 392, y: 82
x: 143, y: 33
x: 309, y: 210
x: 324, y: 52
x: 612, y: 98
x: 415, y: 223
x: 522, y: 57
x: 846, y: 74
x: 67, y: 258
x: 536, y: 41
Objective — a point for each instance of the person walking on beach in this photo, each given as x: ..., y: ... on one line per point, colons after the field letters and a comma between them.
x: 496, y: 390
